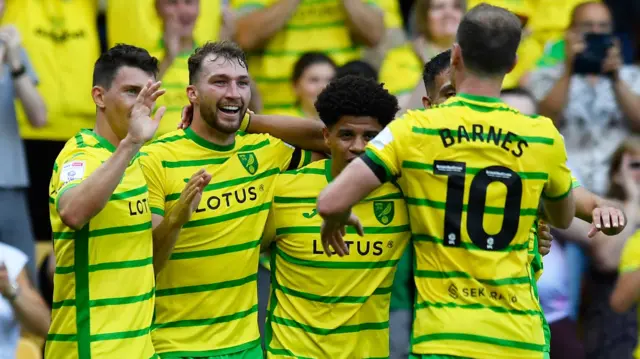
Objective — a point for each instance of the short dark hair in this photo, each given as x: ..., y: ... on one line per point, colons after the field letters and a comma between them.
x: 358, y: 68
x: 308, y: 59
x: 108, y: 64
x: 356, y: 96
x: 489, y: 37
x: 437, y: 65
x: 228, y: 50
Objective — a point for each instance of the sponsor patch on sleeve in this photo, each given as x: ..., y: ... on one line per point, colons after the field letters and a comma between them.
x: 72, y: 171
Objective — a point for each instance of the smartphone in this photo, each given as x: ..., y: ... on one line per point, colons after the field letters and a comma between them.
x: 590, y: 60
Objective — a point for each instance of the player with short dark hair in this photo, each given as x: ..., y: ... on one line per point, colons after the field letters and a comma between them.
x: 472, y: 172
x: 335, y: 308
x: 197, y: 313
x: 101, y: 220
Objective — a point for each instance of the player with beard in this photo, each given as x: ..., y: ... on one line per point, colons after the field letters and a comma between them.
x: 206, y: 294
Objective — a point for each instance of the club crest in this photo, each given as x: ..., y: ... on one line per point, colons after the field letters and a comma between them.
x: 384, y: 211
x: 249, y: 162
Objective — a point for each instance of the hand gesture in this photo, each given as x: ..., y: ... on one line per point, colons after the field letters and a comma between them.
x: 5, y: 283
x: 10, y: 39
x: 171, y: 36
x: 613, y: 62
x: 544, y: 238
x: 608, y: 219
x: 142, y: 127
x: 574, y: 44
x: 190, y: 198
x: 332, y: 233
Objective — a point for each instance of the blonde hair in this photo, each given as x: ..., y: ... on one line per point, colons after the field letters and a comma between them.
x: 629, y: 145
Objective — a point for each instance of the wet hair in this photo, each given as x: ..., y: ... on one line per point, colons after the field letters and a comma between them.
x: 307, y: 60
x: 228, y: 50
x: 121, y: 55
x: 489, y: 37
x: 432, y: 69
x: 357, y: 68
x: 356, y: 96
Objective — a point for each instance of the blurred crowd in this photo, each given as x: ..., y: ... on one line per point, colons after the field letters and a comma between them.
x: 294, y: 48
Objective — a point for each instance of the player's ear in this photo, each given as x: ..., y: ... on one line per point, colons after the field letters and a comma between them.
x: 97, y: 93
x: 192, y: 94
x: 426, y: 101
x: 456, y: 56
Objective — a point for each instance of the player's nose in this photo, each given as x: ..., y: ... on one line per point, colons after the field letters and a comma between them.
x: 358, y: 145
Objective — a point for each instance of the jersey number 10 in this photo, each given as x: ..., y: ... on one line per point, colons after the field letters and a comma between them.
x: 456, y: 171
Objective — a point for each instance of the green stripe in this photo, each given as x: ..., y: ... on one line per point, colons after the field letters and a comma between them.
x: 214, y: 251
x: 229, y: 183
x: 487, y: 209
x: 560, y: 197
x: 464, y: 275
x: 529, y: 139
x: 336, y: 265
x: 206, y: 287
x: 307, y: 158
x: 120, y: 335
x: 209, y: 321
x: 95, y: 338
x: 474, y: 170
x: 211, y: 354
x: 52, y: 337
x: 158, y: 211
x: 169, y: 139
x: 284, y: 352
x: 483, y: 106
x: 339, y: 330
x: 194, y: 163
x: 312, y: 200
x: 52, y: 200
x: 83, y: 317
x: 330, y: 299
x: 350, y: 230
x: 107, y: 266
x: 297, y: 53
x: 121, y: 229
x: 441, y: 305
x: 228, y: 216
x: 128, y: 194
x: 298, y: 27
x: 306, y: 170
x: 63, y: 235
x: 63, y: 303
x: 468, y: 245
x: 122, y: 300
x: 478, y: 339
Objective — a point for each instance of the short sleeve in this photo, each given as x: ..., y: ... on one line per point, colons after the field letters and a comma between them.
x: 288, y: 156
x: 560, y: 181
x: 27, y: 64
x: 71, y: 169
x: 543, y: 80
x: 575, y: 183
x: 154, y: 174
x: 242, y: 7
x: 13, y: 259
x: 630, y: 259
x: 385, y: 148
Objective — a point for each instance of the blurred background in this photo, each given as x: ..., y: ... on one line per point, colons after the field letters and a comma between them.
x: 295, y: 47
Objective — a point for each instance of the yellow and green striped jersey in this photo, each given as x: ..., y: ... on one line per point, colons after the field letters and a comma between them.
x: 472, y: 171
x: 314, y: 26
x: 206, y: 299
x: 335, y: 307
x: 98, y: 311
x: 630, y: 262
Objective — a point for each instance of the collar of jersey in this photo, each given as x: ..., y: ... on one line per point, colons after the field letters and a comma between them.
x: 478, y: 98
x: 327, y: 170
x: 101, y: 140
x: 207, y: 144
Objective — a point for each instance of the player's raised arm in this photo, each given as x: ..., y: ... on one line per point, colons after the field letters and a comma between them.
x: 80, y: 199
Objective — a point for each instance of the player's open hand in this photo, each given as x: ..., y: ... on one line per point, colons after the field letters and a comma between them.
x: 607, y: 219
x: 142, y: 127
x: 544, y: 238
x: 332, y: 234
x: 186, y: 118
x: 190, y: 197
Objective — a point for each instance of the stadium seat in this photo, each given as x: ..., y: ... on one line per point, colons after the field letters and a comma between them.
x: 28, y: 350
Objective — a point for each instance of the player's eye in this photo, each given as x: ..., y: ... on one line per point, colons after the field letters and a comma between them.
x: 243, y: 83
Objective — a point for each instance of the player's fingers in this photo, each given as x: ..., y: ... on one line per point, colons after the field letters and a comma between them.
x: 143, y: 92
x: 359, y: 228
x: 606, y: 219
x: 337, y: 245
x: 158, y: 116
x: 613, y: 212
x: 621, y: 218
x: 191, y: 192
x: 324, y: 238
x: 592, y: 231
x: 196, y: 175
x: 343, y: 231
x: 596, y: 218
x: 154, y: 87
x: 156, y: 94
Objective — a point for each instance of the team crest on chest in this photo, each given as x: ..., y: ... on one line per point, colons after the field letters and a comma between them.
x: 384, y: 211
x: 249, y: 161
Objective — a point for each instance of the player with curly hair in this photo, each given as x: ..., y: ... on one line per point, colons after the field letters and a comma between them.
x: 336, y: 307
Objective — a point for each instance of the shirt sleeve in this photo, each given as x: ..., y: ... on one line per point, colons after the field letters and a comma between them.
x: 630, y: 259
x: 289, y: 157
x: 385, y: 149
x: 154, y: 174
x: 560, y: 181
x: 73, y: 168
x: 27, y: 65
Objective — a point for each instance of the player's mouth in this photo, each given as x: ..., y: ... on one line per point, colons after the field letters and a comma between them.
x: 229, y: 110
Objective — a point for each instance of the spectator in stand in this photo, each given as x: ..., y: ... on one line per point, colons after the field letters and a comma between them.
x: 611, y: 335
x: 276, y: 32
x: 584, y: 107
x: 17, y: 81
x: 20, y: 304
x: 61, y: 39
x: 436, y: 23
x: 311, y: 74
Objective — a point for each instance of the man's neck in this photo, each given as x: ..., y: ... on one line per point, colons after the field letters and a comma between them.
x: 336, y: 168
x: 209, y: 133
x: 103, y: 130
x: 474, y: 85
